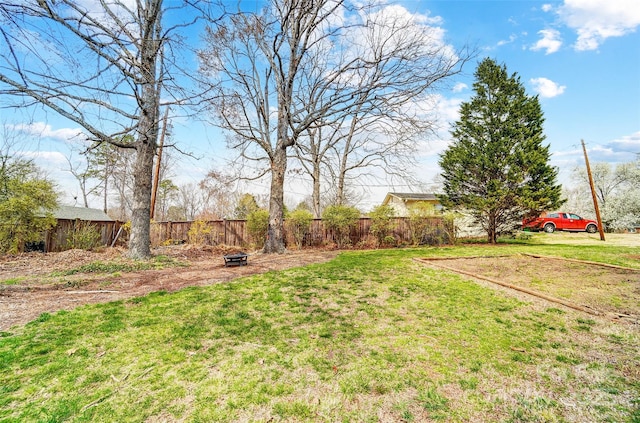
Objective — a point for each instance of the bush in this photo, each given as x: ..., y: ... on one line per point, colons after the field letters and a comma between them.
x: 450, y: 227
x: 382, y: 224
x: 258, y: 225
x: 425, y: 230
x: 389, y: 240
x: 340, y: 220
x: 84, y: 236
x: 298, y: 222
x: 26, y: 203
x: 199, y: 232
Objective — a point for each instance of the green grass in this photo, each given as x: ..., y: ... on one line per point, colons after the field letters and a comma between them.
x: 369, y: 336
x: 109, y: 267
x: 156, y: 263
x: 12, y: 281
x: 602, y: 253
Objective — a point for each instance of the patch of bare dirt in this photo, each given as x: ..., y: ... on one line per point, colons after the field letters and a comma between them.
x: 35, y: 291
x: 608, y: 290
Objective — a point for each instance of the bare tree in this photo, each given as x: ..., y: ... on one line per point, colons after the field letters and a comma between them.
x: 102, y: 65
x: 607, y: 180
x: 616, y: 188
x: 300, y: 70
x: 403, y: 62
x: 83, y: 173
x: 219, y: 194
x: 312, y: 154
x: 188, y: 201
x: 255, y: 60
x: 105, y: 170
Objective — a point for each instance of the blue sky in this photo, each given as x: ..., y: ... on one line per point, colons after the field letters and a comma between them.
x: 582, y: 57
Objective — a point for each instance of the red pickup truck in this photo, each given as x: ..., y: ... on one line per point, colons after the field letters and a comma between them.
x: 560, y: 222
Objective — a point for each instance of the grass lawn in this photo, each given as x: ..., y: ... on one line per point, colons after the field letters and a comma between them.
x: 371, y: 336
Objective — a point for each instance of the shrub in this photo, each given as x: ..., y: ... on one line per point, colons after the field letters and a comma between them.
x: 389, y: 240
x: 426, y: 230
x: 247, y: 204
x: 450, y: 227
x: 382, y: 224
x: 26, y: 204
x: 84, y: 236
x: 340, y: 220
x: 298, y: 222
x: 258, y: 225
x: 199, y: 232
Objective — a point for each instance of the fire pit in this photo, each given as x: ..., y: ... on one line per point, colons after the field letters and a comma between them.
x: 238, y: 259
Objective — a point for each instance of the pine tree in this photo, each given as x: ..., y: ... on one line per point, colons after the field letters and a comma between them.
x: 497, y: 167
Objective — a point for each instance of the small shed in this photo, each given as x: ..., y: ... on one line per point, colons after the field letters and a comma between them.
x: 403, y: 201
x: 70, y: 219
x: 81, y: 213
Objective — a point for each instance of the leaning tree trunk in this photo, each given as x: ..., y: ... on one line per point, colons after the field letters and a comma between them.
x: 275, y: 233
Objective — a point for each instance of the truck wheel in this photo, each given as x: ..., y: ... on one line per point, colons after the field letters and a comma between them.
x: 549, y: 228
x: 591, y: 228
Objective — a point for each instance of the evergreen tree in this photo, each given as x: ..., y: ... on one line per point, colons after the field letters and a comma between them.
x: 497, y: 167
x: 26, y: 203
x: 247, y: 204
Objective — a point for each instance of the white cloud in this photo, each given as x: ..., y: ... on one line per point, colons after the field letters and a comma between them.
x: 386, y: 31
x: 546, y: 88
x: 124, y: 10
x: 433, y: 148
x: 547, y: 7
x: 550, y: 41
x: 46, y: 159
x: 460, y: 86
x: 597, y: 20
x: 629, y: 144
x: 606, y: 153
x: 511, y: 39
x: 447, y: 109
x: 44, y: 130
x: 621, y: 150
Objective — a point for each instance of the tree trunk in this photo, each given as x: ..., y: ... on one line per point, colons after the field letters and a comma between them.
x: 139, y: 243
x: 315, y: 195
x: 342, y: 172
x: 106, y: 181
x: 340, y: 195
x: 275, y: 233
x: 315, y: 157
x: 85, y: 200
x: 492, y: 236
x: 146, y: 145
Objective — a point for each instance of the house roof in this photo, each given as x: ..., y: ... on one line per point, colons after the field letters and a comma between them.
x: 406, y: 196
x: 82, y: 213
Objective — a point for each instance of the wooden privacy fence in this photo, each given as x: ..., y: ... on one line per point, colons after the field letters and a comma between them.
x: 57, y: 239
x: 429, y: 230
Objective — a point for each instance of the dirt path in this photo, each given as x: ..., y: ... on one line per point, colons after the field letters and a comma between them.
x: 23, y: 302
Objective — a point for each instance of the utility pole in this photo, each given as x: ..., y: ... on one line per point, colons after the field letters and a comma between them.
x: 593, y: 192
x: 156, y: 182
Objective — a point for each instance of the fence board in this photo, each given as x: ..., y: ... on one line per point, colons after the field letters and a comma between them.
x: 234, y: 232
x: 56, y: 238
